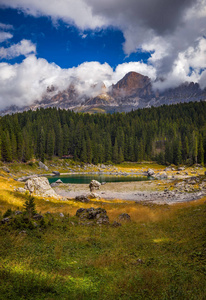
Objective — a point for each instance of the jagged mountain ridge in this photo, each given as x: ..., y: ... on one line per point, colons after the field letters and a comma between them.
x: 131, y: 92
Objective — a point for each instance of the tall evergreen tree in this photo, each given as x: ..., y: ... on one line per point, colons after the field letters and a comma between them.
x: 50, y: 144
x: 6, y: 147
x: 42, y: 145
x: 115, y: 152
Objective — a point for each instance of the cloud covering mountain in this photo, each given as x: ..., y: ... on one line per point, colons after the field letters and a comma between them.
x: 172, y: 31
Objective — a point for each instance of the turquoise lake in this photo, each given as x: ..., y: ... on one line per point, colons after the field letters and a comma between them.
x: 84, y: 178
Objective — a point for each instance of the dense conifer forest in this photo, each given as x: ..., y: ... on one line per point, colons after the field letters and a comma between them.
x: 168, y: 134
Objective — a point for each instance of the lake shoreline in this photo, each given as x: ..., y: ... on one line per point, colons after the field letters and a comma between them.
x: 147, y: 191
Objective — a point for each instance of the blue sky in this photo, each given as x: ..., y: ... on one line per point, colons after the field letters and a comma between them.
x: 44, y: 42
x: 66, y: 45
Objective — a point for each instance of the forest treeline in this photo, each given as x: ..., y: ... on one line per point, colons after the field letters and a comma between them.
x: 168, y: 134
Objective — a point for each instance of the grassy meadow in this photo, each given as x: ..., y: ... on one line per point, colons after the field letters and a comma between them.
x: 160, y: 254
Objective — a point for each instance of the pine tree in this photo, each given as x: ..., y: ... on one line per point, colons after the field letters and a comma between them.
x: 201, y: 151
x: 83, y: 155
x: 108, y: 149
x: 89, y: 150
x: 50, y: 144
x: 42, y: 145
x: 27, y: 152
x: 195, y: 147
x: 30, y: 207
x: 20, y: 146
x: 6, y: 147
x: 65, y: 139
x: 121, y: 156
x: 115, y: 152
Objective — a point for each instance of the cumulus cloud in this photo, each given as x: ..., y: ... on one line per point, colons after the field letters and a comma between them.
x: 5, y: 36
x: 24, y: 47
x: 70, y: 11
x: 169, y: 29
x: 189, y: 66
x: 22, y: 84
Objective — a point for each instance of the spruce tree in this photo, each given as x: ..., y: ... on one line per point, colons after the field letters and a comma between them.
x: 30, y: 207
x: 6, y: 147
x: 42, y: 145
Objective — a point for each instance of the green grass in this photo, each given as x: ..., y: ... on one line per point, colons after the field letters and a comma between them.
x: 160, y: 255
x: 64, y: 260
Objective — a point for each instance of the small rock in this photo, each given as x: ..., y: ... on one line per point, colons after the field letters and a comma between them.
x: 18, y: 212
x: 59, y: 181
x: 150, y: 172
x: 93, y: 196
x: 38, y: 217
x: 116, y: 224
x: 139, y: 261
x: 43, y: 166
x: 56, y: 173
x: 5, y: 220
x: 61, y: 215
x: 6, y: 169
x: 82, y: 198
x: 124, y: 217
x: 23, y: 232
x: 181, y: 169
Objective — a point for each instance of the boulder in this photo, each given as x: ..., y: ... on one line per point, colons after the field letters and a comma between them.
x: 40, y: 186
x: 93, y: 196
x: 92, y: 216
x: 150, y: 172
x: 20, y: 190
x: 162, y: 175
x: 82, y: 198
x: 43, y: 166
x: 56, y: 173
x: 54, y: 184
x: 25, y: 178
x: 124, y: 217
x: 5, y: 169
x: 94, y: 185
x: 59, y: 181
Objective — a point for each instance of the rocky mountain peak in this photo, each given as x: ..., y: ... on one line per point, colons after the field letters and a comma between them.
x: 132, y: 84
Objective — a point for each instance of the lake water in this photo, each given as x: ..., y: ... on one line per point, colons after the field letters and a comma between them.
x: 84, y: 178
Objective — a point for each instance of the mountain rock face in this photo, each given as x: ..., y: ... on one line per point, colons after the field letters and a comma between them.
x: 132, y: 85
x: 131, y: 92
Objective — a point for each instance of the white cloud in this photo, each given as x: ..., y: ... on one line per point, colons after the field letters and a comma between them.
x: 24, y: 47
x: 172, y: 30
x: 189, y: 66
x: 22, y: 84
x: 6, y: 26
x: 5, y: 36
x: 70, y: 11
x: 139, y: 67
